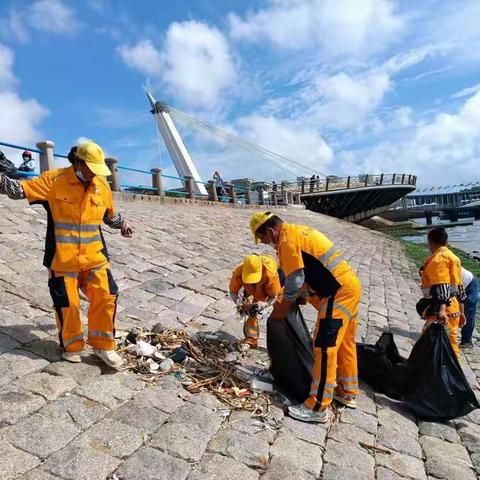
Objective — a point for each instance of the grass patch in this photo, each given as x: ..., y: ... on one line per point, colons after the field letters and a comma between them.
x: 418, y: 252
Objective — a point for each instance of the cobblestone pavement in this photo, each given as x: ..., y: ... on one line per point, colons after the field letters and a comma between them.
x: 75, y: 422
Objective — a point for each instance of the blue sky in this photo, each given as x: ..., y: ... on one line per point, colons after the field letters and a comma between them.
x: 342, y: 86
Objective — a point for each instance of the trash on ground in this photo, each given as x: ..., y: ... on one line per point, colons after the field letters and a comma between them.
x: 204, y: 362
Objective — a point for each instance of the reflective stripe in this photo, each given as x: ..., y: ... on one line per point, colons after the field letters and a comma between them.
x: 316, y: 383
x: 91, y: 274
x: 70, y: 274
x: 77, y: 228
x: 99, y: 333
x: 251, y: 331
x: 314, y: 391
x: 327, y: 254
x: 347, y: 379
x: 73, y: 239
x: 338, y: 307
x: 77, y: 338
x: 331, y: 265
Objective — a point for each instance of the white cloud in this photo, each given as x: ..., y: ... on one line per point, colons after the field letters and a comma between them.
x: 444, y: 150
x: 466, y: 92
x: 143, y: 57
x: 51, y: 16
x: 337, y: 27
x: 195, y: 64
x: 13, y: 27
x: 19, y: 118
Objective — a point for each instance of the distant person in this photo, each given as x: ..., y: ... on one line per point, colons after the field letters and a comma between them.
x: 442, y: 287
x: 274, y: 186
x: 27, y: 165
x: 318, y: 183
x: 470, y: 284
x: 312, y: 183
x: 219, y: 183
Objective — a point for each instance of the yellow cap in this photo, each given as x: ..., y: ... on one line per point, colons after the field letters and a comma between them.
x: 257, y: 220
x: 252, y: 269
x: 93, y: 156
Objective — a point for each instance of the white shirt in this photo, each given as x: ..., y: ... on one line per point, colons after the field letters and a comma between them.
x: 467, y: 277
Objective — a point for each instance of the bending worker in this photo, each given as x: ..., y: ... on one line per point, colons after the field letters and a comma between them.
x: 442, y: 287
x: 78, y: 199
x: 258, y: 276
x: 316, y: 270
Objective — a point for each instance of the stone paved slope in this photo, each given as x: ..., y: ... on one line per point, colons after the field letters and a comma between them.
x: 63, y: 421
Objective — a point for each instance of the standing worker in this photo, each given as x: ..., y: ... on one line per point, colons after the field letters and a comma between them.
x: 258, y: 276
x: 442, y: 286
x: 317, y: 270
x: 470, y: 284
x: 77, y: 200
x: 27, y: 165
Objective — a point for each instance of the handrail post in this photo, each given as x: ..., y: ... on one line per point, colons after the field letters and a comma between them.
x: 348, y: 183
x: 157, y: 181
x: 233, y: 196
x: 403, y: 178
x: 212, y: 194
x: 46, y: 155
x: 410, y: 179
x: 189, y: 186
x: 114, y: 178
x: 381, y: 179
x: 261, y: 198
x: 366, y: 179
x: 248, y: 197
x: 303, y: 185
x: 327, y: 181
x: 284, y: 197
x: 393, y: 178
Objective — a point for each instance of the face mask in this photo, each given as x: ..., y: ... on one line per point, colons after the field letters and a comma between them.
x: 80, y: 176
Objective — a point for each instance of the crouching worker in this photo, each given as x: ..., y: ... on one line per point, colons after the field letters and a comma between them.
x: 317, y: 270
x: 77, y: 200
x: 443, y: 292
x: 259, y: 278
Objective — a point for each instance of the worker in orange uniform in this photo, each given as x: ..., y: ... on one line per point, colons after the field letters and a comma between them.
x: 258, y: 276
x: 317, y: 271
x: 77, y: 200
x: 442, y: 287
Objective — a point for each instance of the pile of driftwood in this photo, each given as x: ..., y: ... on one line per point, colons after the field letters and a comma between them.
x: 203, y: 362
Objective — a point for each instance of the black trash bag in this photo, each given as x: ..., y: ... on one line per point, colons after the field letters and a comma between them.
x: 431, y: 382
x: 289, y: 346
x: 7, y: 167
x: 382, y: 367
x: 439, y: 390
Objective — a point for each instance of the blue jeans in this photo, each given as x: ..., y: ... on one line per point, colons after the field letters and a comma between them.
x: 470, y: 310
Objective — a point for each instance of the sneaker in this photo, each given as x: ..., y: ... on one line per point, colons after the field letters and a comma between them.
x: 349, y: 401
x: 467, y: 345
x: 305, y: 414
x: 73, y: 357
x: 109, y: 357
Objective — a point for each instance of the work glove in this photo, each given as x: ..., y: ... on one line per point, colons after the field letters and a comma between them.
x: 126, y: 230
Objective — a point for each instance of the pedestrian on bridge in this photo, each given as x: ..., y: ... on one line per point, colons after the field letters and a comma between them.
x: 317, y: 272
x: 77, y: 200
x: 443, y: 292
x: 258, y: 277
x: 470, y: 284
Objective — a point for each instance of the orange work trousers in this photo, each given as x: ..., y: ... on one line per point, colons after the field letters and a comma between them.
x: 451, y: 326
x: 334, y: 347
x: 251, y: 330
x: 102, y: 292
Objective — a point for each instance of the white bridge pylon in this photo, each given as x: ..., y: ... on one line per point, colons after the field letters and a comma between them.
x: 175, y: 146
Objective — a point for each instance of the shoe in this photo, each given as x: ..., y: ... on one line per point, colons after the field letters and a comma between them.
x: 72, y: 357
x: 349, y: 401
x: 247, y: 343
x: 467, y: 345
x: 305, y: 414
x: 109, y: 357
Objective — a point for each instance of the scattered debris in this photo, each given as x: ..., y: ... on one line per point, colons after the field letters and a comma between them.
x: 205, y: 362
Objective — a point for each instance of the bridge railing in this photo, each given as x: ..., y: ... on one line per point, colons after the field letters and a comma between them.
x: 276, y: 194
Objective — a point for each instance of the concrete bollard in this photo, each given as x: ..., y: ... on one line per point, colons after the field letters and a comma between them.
x: 212, y: 193
x: 261, y: 198
x: 114, y: 178
x: 248, y: 197
x: 157, y: 181
x: 47, y: 161
x: 233, y: 196
x: 189, y: 186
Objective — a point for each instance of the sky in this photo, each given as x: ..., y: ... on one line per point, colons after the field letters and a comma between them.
x: 343, y: 87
